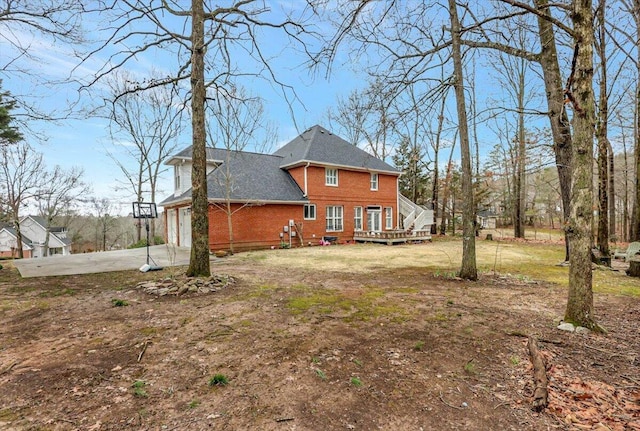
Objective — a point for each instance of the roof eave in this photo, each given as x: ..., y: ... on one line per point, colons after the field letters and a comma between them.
x: 345, y: 167
x: 175, y: 160
x: 261, y: 201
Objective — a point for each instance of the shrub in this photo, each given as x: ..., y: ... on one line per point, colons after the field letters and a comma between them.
x: 157, y: 240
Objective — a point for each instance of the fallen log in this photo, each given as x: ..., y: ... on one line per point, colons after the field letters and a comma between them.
x: 540, y: 393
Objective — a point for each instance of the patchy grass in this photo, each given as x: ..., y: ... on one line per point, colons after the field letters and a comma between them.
x: 615, y: 283
x: 363, y: 305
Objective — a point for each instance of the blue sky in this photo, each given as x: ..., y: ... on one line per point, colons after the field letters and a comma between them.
x: 85, y: 142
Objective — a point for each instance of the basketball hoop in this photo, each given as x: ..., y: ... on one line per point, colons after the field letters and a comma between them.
x: 146, y: 210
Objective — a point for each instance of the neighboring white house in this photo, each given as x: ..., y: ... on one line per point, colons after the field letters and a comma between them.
x: 34, y: 236
x: 9, y: 241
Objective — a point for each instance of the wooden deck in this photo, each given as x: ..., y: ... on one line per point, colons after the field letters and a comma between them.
x: 392, y: 237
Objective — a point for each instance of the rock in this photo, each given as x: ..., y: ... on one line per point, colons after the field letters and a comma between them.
x: 181, y: 286
x: 564, y: 326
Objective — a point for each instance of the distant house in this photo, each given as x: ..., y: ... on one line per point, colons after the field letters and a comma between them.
x: 9, y: 243
x: 318, y: 187
x: 487, y: 219
x: 34, y: 236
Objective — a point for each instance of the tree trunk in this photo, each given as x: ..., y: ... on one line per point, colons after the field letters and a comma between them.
x: 625, y: 203
x: 634, y: 268
x: 16, y: 224
x: 448, y: 179
x: 612, y: 192
x: 519, y: 192
x: 468, y: 270
x: 436, y: 170
x: 579, y: 309
x: 230, y: 224
x: 560, y: 129
x: 199, y: 260
x: 634, y: 234
x: 603, y: 143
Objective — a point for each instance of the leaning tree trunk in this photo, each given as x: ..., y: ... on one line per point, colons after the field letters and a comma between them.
x: 560, y: 129
x: 468, y: 269
x: 579, y: 227
x: 199, y: 260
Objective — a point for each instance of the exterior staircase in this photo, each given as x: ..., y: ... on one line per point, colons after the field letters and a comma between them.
x: 416, y: 218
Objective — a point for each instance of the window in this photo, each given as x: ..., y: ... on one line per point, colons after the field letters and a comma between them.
x: 374, y: 181
x: 334, y: 219
x: 309, y: 211
x: 388, y: 218
x: 331, y: 177
x: 176, y: 177
x: 357, y: 218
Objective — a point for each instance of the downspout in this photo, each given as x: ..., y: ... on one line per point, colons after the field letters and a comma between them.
x: 305, y: 178
x: 398, y: 203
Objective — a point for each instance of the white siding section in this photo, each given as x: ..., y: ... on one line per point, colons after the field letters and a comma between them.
x: 7, y: 241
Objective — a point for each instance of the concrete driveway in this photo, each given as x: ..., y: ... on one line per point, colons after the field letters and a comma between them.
x: 105, y: 261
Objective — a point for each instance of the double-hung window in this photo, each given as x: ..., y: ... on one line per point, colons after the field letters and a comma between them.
x: 331, y: 177
x: 334, y: 219
x: 357, y: 218
x: 309, y: 211
x: 374, y: 181
x: 176, y: 178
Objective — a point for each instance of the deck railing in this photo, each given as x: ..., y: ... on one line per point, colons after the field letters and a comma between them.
x: 392, y: 236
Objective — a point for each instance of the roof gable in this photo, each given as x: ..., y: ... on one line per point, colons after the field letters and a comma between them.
x: 12, y: 232
x: 54, y: 232
x: 320, y: 146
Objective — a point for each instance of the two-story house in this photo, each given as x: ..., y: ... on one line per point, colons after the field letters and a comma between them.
x: 317, y: 187
x: 38, y: 239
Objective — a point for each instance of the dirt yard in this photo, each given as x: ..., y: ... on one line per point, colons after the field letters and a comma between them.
x: 323, y: 338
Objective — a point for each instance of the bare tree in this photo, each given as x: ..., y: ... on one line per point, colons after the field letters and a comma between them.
x: 105, y: 223
x: 579, y: 226
x: 632, y: 7
x: 149, y: 123
x: 468, y: 269
x: 59, y: 191
x: 602, y: 136
x: 206, y: 39
x: 237, y: 121
x: 368, y: 115
x: 21, y: 180
x: 515, y: 74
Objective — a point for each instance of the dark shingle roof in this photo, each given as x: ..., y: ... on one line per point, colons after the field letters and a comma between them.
x: 320, y: 146
x: 255, y: 177
x: 251, y: 177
